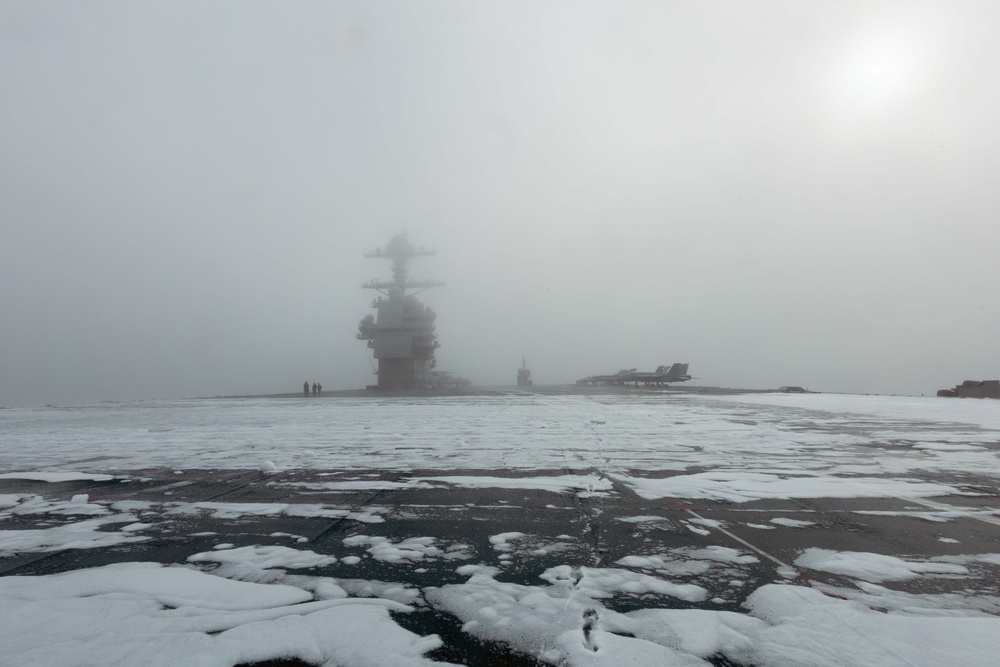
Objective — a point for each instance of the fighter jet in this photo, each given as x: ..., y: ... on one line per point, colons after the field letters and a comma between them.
x: 621, y: 377
x: 661, y: 376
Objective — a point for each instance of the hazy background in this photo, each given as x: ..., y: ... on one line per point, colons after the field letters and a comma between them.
x: 775, y: 192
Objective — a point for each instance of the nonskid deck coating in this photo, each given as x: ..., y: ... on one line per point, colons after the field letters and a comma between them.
x: 587, y: 514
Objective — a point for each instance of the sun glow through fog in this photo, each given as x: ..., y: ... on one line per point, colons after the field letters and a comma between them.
x: 880, y: 69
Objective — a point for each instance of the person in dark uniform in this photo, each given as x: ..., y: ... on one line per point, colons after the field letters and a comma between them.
x: 319, y: 389
x: 315, y: 392
x: 305, y: 388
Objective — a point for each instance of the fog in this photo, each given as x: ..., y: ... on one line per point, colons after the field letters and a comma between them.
x: 774, y: 192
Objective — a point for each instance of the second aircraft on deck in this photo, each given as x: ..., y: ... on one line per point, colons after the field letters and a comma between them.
x: 661, y: 376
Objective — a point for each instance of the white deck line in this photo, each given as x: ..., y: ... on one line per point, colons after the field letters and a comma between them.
x: 950, y: 508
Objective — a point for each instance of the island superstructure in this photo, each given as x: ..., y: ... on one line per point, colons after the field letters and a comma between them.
x: 402, y: 335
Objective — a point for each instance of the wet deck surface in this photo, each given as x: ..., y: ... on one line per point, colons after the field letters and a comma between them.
x: 576, y: 528
x: 184, y: 479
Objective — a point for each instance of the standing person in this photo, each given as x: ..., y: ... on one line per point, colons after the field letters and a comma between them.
x: 314, y: 389
x: 305, y: 388
x: 319, y: 389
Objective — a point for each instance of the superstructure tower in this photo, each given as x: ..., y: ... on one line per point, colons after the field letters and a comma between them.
x: 402, y: 335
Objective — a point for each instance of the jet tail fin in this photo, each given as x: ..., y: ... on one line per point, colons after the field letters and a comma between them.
x: 678, y: 373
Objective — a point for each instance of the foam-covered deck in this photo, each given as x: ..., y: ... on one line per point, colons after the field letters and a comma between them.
x: 763, y: 530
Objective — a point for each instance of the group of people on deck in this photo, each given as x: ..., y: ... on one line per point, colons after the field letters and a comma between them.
x: 317, y: 389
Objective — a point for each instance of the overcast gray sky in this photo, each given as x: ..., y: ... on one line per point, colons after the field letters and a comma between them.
x: 775, y: 192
